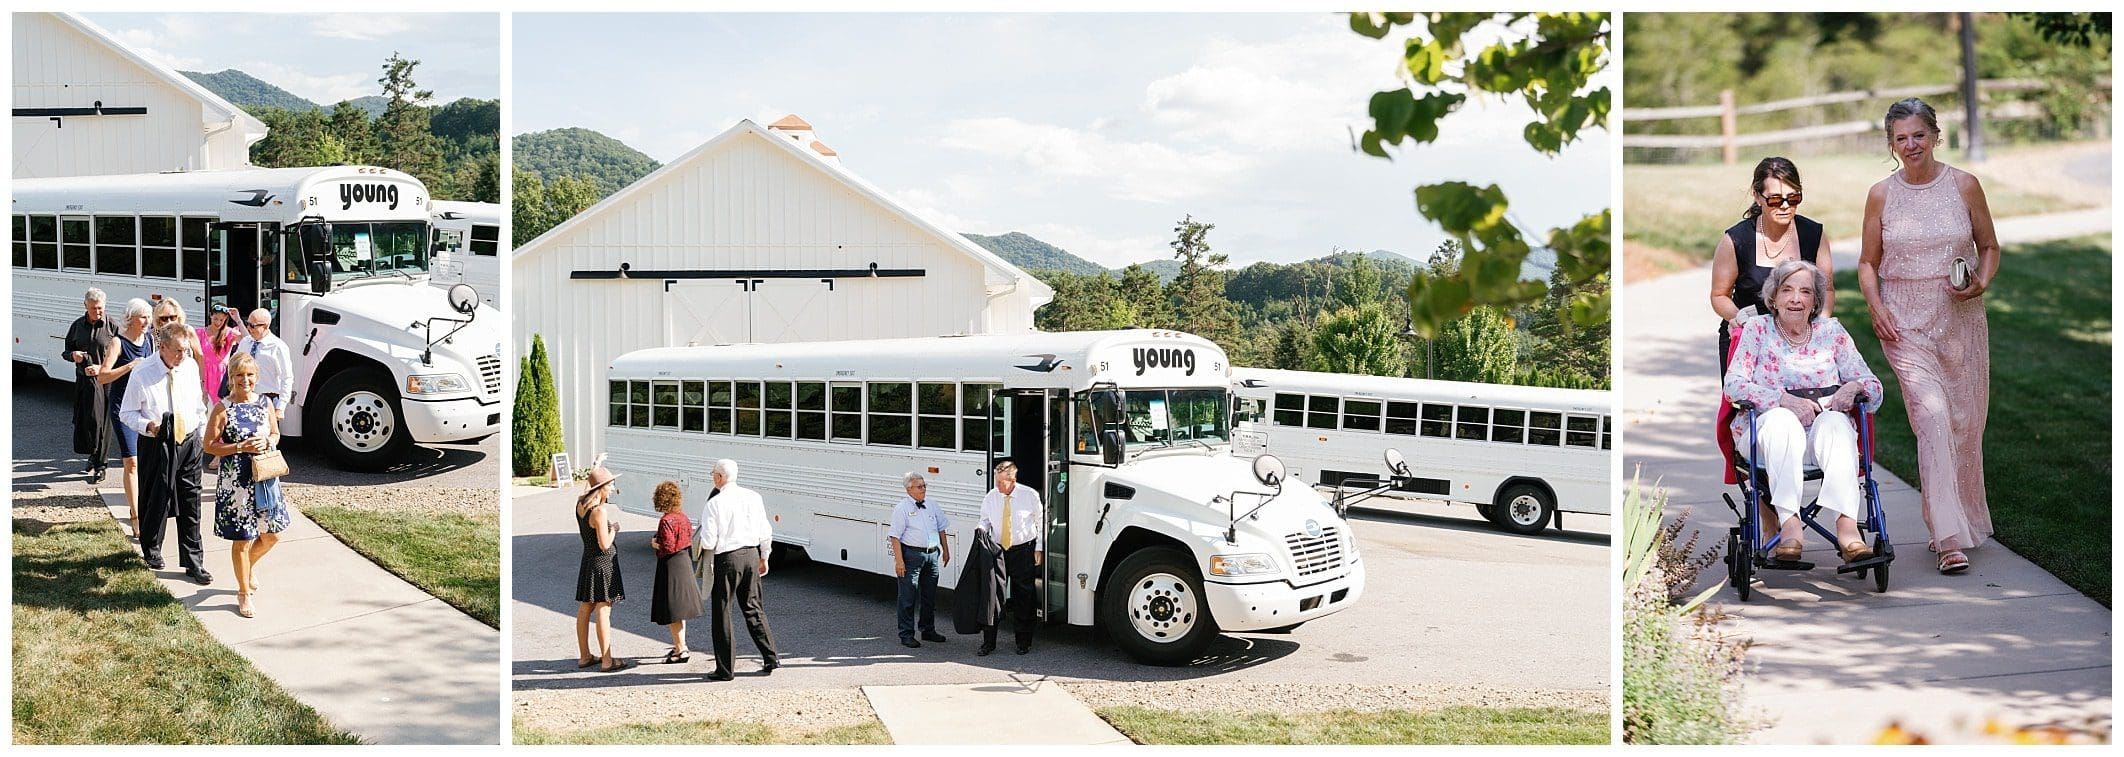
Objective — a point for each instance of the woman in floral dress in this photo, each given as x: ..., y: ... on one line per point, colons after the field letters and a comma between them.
x: 250, y: 514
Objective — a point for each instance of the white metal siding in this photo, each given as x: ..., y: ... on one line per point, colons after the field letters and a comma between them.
x: 57, y: 66
x: 746, y: 205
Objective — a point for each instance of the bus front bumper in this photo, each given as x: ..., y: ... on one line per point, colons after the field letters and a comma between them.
x: 451, y: 420
x: 1277, y: 604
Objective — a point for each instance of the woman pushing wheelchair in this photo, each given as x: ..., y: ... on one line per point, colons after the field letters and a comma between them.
x: 1802, y: 374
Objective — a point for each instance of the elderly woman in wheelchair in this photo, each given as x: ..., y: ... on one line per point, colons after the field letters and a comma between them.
x: 1802, y: 376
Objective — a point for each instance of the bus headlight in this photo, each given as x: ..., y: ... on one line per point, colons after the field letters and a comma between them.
x: 1241, y: 565
x: 437, y: 383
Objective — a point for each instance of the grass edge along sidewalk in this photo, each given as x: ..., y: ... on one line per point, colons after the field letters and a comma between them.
x: 2046, y: 440
x: 716, y: 732
x: 104, y: 655
x: 454, y: 557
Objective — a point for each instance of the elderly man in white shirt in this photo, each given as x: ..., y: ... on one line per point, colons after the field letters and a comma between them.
x: 165, y: 405
x: 1014, y: 517
x: 276, y: 370
x: 735, y: 527
x: 916, y: 535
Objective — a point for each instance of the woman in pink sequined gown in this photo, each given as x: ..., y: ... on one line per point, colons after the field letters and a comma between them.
x: 1918, y: 220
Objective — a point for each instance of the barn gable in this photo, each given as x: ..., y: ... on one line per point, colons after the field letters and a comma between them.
x: 85, y: 105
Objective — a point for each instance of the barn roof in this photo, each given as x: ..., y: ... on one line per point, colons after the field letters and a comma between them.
x: 214, y: 110
x: 1000, y: 270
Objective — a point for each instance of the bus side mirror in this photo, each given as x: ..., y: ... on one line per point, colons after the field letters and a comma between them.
x: 320, y: 277
x: 1111, y: 446
x: 1396, y: 464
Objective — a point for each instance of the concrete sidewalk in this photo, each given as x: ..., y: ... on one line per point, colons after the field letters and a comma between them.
x: 1029, y: 710
x: 1832, y: 661
x: 371, y: 653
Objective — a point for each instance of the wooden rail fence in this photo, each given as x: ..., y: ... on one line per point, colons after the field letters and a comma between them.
x: 1729, y: 140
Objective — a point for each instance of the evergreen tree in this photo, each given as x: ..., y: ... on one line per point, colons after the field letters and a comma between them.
x: 1143, y: 293
x: 1197, y: 294
x: 1358, y: 285
x: 405, y: 142
x: 351, y: 125
x: 1360, y: 340
x: 535, y: 430
x: 1294, y: 346
x: 1559, y: 341
x: 527, y: 207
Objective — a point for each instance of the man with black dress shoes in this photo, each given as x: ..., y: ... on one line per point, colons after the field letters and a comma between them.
x: 915, y: 538
x: 1014, y: 517
x: 736, y: 529
x: 87, y: 340
x: 165, y: 404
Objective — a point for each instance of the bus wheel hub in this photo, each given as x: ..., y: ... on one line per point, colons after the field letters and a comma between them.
x: 363, y: 421
x: 1162, y: 607
x: 1524, y: 508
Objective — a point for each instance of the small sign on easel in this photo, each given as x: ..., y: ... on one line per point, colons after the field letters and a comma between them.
x: 563, y: 472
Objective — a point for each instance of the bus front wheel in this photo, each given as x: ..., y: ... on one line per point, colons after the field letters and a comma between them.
x: 1154, y: 608
x: 1525, y: 509
x: 358, y: 420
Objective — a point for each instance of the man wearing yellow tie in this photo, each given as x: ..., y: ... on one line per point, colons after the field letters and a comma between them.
x: 165, y: 404
x: 1014, y: 516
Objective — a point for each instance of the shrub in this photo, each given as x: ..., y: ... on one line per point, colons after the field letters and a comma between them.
x: 534, y: 429
x: 1681, y: 673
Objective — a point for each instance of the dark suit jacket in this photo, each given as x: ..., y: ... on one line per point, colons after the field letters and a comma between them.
x: 977, y: 601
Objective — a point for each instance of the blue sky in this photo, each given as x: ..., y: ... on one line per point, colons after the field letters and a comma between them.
x: 324, y: 57
x: 1094, y: 132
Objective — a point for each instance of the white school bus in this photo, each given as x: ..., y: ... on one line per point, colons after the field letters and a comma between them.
x: 338, y: 254
x: 1520, y: 454
x: 1156, y: 533
x: 469, y: 248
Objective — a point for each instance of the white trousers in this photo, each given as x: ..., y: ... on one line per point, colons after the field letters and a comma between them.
x: 1784, y: 446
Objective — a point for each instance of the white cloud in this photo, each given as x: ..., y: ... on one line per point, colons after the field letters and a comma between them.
x: 1301, y: 92
x: 148, y: 45
x: 323, y: 89
x: 362, y: 26
x: 1141, y: 171
x: 1109, y: 251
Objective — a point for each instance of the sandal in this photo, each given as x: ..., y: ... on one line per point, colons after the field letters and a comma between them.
x: 1788, y: 550
x: 674, y: 657
x: 243, y: 607
x: 1953, y: 561
x: 592, y: 662
x: 617, y: 666
x: 1855, y: 550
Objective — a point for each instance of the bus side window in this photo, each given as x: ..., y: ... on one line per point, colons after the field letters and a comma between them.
x: 44, y: 242
x: 1360, y: 415
x: 719, y: 400
x: 486, y: 240
x: 1321, y: 412
x: 973, y: 416
x: 21, y: 237
x: 811, y: 410
x: 937, y: 420
x: 158, y: 246
x: 1290, y: 409
x: 1605, y: 433
x: 616, y: 408
x: 1508, y: 426
x: 1582, y: 431
x: 693, y: 402
x: 1545, y: 428
x: 847, y: 420
x: 1474, y: 423
x: 1437, y: 420
x: 195, y: 237
x: 1401, y: 418
x: 638, y: 401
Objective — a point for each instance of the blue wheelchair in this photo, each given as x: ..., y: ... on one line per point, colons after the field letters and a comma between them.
x: 1748, y: 551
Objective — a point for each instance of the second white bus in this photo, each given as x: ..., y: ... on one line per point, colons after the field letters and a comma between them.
x: 469, y: 247
x: 1521, y: 455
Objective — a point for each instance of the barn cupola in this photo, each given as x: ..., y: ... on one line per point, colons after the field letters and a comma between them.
x: 798, y: 130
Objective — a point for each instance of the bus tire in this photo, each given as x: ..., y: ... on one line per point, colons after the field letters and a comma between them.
x: 1154, y: 609
x: 1488, y: 513
x: 1525, y: 509
x: 356, y: 418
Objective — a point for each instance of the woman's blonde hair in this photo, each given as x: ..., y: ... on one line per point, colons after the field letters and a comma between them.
x: 242, y: 362
x: 668, y: 497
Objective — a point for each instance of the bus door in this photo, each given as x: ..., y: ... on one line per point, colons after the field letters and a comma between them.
x: 1029, y: 427
x: 244, y: 269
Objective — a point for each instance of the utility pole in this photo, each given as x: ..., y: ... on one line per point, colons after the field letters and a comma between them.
x: 1972, y: 125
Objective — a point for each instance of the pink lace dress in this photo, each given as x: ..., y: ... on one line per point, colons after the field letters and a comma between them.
x: 1942, y: 353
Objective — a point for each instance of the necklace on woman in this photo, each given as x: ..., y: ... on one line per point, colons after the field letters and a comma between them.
x: 1803, y: 339
x: 1776, y: 247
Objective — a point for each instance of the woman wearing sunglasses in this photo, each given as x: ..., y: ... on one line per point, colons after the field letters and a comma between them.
x: 1771, y: 232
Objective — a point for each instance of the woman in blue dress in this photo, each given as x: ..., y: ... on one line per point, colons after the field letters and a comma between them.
x: 133, y: 344
x: 250, y: 514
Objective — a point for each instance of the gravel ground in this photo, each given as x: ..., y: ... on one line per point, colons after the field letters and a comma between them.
x: 1192, y: 696
x: 792, y: 709
x: 417, y: 500
x: 51, y: 509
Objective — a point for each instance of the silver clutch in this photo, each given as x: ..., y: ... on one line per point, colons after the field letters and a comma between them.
x: 1958, y: 274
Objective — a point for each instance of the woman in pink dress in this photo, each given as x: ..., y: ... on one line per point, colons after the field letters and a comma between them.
x: 216, y: 340
x: 1919, y: 222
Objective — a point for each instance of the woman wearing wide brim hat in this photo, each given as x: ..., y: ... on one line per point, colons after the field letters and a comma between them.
x: 598, y: 584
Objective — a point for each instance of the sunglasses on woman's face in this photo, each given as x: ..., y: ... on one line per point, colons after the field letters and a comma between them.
x: 165, y: 318
x: 1782, y: 201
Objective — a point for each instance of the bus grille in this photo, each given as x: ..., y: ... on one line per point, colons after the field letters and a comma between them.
x: 1316, y: 554
x: 490, y: 373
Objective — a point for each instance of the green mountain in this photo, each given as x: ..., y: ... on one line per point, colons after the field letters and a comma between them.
x: 248, y: 92
x: 1027, y: 252
x: 575, y: 151
x: 374, y: 105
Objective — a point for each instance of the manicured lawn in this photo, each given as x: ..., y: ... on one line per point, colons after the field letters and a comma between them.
x: 104, y: 655
x: 453, y: 556
x: 2046, y: 440
x: 1683, y: 208
x: 1452, y: 725
x: 706, y: 732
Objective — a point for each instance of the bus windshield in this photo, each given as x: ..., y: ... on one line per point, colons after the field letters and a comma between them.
x: 1165, y: 417
x: 366, y: 249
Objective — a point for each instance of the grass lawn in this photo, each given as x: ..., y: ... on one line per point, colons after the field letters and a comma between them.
x: 706, y: 732
x: 1452, y: 725
x: 1683, y: 208
x: 104, y: 655
x: 2046, y: 440
x: 453, y: 556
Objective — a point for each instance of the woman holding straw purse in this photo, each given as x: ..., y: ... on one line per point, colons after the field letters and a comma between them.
x: 249, y: 509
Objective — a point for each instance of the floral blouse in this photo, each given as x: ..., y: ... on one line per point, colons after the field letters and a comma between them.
x: 673, y: 533
x: 1765, y: 365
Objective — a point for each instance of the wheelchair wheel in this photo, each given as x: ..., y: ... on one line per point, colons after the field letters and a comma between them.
x: 1738, y: 564
x: 1880, y: 573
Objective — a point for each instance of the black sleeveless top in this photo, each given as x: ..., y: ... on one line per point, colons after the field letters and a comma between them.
x: 1748, y: 281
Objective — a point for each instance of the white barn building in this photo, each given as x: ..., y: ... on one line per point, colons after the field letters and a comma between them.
x: 759, y: 235
x: 87, y: 105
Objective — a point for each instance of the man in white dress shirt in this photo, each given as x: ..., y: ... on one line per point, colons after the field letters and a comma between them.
x: 276, y: 370
x: 736, y: 529
x: 165, y: 405
x: 1013, y: 515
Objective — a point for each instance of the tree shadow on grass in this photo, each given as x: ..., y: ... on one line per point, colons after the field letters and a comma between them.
x: 63, y: 566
